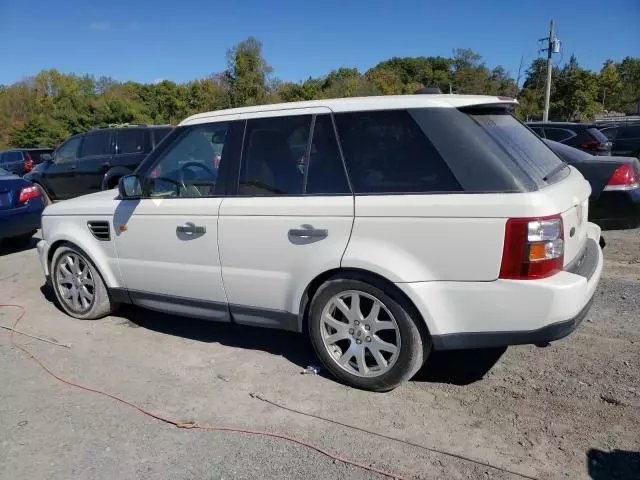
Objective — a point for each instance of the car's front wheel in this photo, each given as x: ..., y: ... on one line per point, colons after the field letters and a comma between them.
x: 366, y: 337
x: 78, y: 286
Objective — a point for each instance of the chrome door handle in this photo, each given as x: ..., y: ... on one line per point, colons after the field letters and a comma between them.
x: 309, y: 232
x: 190, y: 228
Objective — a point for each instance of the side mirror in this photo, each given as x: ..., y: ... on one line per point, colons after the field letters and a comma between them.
x: 129, y: 187
x: 46, y: 157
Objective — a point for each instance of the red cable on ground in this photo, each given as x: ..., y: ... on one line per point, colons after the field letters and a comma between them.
x: 189, y: 425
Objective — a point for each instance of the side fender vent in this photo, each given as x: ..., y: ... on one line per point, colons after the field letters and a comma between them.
x: 100, y: 230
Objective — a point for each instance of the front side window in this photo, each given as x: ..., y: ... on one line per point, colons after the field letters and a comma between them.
x: 387, y: 152
x: 131, y: 141
x: 274, y: 160
x: 189, y: 167
x: 95, y: 144
x: 68, y: 152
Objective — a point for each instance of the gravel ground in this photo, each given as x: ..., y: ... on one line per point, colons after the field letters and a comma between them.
x: 571, y: 410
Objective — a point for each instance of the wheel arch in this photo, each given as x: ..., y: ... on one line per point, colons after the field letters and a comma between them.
x: 357, y: 274
x: 99, y: 261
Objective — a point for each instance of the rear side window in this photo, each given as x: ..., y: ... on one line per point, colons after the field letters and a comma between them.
x: 326, y: 173
x: 95, y: 144
x: 274, y: 156
x: 387, y: 152
x: 629, y: 132
x: 558, y: 134
x: 132, y: 141
x: 160, y: 133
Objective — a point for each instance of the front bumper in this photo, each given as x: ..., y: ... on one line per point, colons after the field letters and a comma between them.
x: 43, y: 255
x: 463, y: 315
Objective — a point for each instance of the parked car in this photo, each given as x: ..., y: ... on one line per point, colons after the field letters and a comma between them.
x: 20, y: 208
x: 625, y: 139
x: 584, y: 136
x: 95, y: 160
x: 415, y: 223
x: 22, y: 160
x: 615, y: 185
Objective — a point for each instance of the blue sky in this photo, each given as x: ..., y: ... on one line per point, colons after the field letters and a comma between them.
x: 182, y: 40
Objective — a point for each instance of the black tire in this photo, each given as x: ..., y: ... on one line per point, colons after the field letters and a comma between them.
x: 102, y: 304
x: 45, y: 198
x: 415, y: 343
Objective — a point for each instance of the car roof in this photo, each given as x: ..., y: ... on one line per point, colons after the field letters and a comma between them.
x: 353, y: 104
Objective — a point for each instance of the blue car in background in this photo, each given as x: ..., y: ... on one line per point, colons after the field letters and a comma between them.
x: 20, y: 208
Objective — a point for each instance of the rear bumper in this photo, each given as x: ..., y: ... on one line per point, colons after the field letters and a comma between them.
x: 19, y: 222
x: 617, y: 207
x: 463, y: 315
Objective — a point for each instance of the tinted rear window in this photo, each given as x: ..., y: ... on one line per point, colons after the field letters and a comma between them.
x: 12, y: 157
x: 598, y: 135
x: 521, y: 145
x: 36, y: 155
x: 610, y: 133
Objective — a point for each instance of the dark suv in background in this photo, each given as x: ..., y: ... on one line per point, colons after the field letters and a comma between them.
x: 583, y: 136
x: 625, y: 138
x: 22, y: 160
x: 95, y: 160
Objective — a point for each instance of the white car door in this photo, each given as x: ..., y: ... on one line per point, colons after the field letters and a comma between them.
x: 167, y: 241
x: 291, y: 218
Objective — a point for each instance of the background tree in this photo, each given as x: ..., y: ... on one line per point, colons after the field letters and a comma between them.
x: 247, y: 73
x: 46, y: 108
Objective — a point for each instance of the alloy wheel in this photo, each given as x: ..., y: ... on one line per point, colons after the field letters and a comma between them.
x: 75, y: 282
x: 360, y: 333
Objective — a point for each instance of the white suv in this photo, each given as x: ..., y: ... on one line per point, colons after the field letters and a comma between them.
x: 384, y: 227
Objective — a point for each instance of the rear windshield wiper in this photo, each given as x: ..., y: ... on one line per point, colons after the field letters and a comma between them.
x: 555, y: 171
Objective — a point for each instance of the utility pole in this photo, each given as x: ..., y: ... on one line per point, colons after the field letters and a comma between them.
x: 553, y: 46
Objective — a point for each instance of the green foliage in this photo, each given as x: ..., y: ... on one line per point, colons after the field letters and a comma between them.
x: 45, y: 109
x: 247, y: 74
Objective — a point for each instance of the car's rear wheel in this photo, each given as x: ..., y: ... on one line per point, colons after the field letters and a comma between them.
x: 78, y: 286
x: 365, y: 337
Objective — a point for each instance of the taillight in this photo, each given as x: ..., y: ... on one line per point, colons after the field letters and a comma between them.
x: 28, y: 162
x: 595, y: 146
x: 533, y: 248
x: 624, y: 178
x: 28, y: 193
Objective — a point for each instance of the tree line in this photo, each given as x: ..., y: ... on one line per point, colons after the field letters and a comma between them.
x: 45, y: 109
